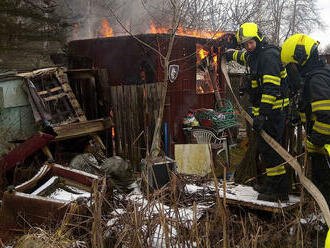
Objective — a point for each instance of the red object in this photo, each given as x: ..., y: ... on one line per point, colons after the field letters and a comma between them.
x: 82, y: 178
x: 24, y: 150
x: 207, y: 123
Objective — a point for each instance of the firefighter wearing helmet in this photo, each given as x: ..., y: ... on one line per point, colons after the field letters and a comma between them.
x: 269, y: 103
x: 300, y: 53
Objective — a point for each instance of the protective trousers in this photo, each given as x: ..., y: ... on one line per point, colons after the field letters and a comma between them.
x: 321, y: 174
x: 274, y: 127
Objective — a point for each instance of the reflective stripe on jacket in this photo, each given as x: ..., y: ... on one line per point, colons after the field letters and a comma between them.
x: 270, y: 78
x: 316, y: 112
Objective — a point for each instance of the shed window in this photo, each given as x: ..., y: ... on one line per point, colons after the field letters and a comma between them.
x: 203, y: 80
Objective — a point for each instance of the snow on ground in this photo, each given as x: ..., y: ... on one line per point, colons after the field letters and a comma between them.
x: 240, y: 193
x: 71, y: 194
x: 155, y: 209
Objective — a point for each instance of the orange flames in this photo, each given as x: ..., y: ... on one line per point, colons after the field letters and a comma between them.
x: 155, y: 30
x: 186, y: 32
x: 105, y: 29
x: 203, y: 53
x: 199, y: 89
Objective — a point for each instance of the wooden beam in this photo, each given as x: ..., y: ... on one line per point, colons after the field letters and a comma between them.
x: 278, y: 209
x: 82, y: 128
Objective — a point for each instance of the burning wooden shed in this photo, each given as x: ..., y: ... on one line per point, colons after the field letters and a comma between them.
x: 130, y: 87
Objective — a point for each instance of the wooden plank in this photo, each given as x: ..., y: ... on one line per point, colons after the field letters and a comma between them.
x: 142, y: 118
x: 47, y: 152
x: 40, y: 93
x: 261, y: 207
x: 78, y: 129
x: 123, y: 109
x: 114, y: 103
x: 130, y: 124
x: 149, y: 117
x: 56, y: 97
x: 136, y: 125
x: 120, y: 121
x: 153, y: 98
x: 193, y: 159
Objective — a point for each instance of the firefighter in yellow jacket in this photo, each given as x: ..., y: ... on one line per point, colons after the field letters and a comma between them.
x: 266, y: 93
x: 301, y: 53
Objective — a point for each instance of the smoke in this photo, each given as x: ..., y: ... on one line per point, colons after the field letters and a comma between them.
x: 136, y: 15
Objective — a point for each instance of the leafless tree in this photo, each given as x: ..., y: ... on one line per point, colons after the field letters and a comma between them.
x: 285, y: 18
x: 301, y: 16
x: 326, y: 50
x: 277, y: 19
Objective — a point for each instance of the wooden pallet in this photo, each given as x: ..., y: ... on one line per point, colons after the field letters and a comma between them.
x: 55, y: 91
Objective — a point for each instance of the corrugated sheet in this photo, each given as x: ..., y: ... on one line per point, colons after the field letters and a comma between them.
x: 13, y: 94
x: 15, y: 124
x: 16, y: 118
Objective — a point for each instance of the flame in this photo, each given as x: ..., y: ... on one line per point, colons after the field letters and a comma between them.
x: 186, y: 32
x: 199, y: 89
x: 215, y: 59
x: 105, y: 29
x: 155, y: 30
x: 203, y: 53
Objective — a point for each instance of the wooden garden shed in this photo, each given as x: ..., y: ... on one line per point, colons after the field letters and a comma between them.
x: 129, y: 76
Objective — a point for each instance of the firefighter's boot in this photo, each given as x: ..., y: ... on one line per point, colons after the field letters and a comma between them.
x: 260, y: 185
x: 276, y: 189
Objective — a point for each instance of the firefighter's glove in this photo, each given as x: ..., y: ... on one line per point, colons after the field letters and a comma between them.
x: 258, y: 122
x: 228, y: 40
x: 229, y: 54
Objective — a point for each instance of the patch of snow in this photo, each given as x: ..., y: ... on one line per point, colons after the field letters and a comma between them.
x: 45, y: 185
x: 191, y: 188
x: 158, y: 238
x: 313, y: 217
x: 155, y: 209
x: 61, y: 194
x: 248, y: 194
x: 77, y: 171
x: 112, y: 221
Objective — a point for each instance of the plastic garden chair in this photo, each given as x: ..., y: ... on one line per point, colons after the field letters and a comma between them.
x: 207, y: 136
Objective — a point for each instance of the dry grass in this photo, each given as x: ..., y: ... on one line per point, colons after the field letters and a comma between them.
x: 171, y: 217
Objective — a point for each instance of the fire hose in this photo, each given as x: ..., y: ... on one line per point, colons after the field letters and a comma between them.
x: 308, y: 185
